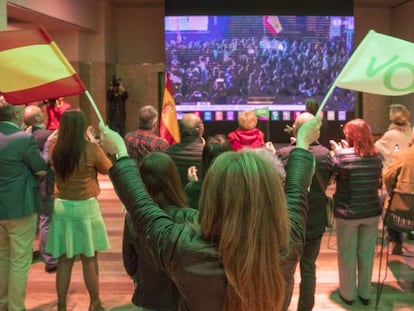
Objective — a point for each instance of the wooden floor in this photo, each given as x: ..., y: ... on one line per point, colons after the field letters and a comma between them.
x: 116, y: 287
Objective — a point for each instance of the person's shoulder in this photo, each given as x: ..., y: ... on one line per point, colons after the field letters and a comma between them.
x: 319, y: 149
x: 404, y: 153
x: 132, y: 134
x: 93, y: 146
x: 285, y: 150
x: 162, y: 143
x: 345, y: 151
x: 193, y: 186
x: 173, y: 147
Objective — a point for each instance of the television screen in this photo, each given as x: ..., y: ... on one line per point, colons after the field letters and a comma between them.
x: 220, y: 65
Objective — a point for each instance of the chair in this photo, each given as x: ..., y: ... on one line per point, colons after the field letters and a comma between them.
x: 399, y: 216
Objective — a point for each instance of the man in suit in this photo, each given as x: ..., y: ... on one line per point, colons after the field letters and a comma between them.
x: 20, y: 165
x: 34, y: 118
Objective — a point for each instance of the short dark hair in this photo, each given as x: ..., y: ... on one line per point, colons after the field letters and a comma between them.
x: 312, y: 106
x: 7, y: 111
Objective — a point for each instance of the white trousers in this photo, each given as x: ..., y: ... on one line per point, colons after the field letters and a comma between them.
x: 356, y: 247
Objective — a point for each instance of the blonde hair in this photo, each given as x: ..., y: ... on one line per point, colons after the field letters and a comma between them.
x: 247, y: 120
x: 243, y: 209
x: 399, y: 114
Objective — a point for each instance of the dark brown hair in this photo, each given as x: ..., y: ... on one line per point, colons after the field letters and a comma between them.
x: 71, y: 142
x: 162, y: 180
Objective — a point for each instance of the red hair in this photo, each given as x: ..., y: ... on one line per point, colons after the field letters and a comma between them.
x: 358, y: 136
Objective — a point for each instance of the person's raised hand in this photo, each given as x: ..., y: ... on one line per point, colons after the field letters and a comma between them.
x: 192, y: 173
x: 271, y: 147
x: 111, y: 141
x: 288, y: 129
x: 53, y: 136
x: 308, y: 132
x: 90, y: 134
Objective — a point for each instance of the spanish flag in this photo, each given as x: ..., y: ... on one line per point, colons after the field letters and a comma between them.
x: 272, y: 24
x: 33, y: 68
x: 169, y: 123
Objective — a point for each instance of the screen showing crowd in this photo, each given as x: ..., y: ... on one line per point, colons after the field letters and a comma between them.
x: 230, y: 62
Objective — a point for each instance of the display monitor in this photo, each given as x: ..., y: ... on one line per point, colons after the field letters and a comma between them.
x: 221, y: 65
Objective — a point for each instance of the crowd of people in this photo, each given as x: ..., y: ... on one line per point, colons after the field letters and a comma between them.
x: 216, y: 223
x: 229, y: 71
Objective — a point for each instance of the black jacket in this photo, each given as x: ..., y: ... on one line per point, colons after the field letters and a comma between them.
x: 185, y: 154
x: 317, y: 200
x: 357, y: 183
x: 192, y: 263
x: 154, y: 289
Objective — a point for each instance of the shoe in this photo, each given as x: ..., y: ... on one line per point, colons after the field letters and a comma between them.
x: 50, y: 268
x: 410, y: 235
x: 36, y: 256
x: 397, y: 249
x: 96, y: 307
x: 364, y: 301
x: 348, y: 302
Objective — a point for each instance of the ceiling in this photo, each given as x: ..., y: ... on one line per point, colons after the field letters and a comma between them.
x: 365, y: 3
x: 19, y: 17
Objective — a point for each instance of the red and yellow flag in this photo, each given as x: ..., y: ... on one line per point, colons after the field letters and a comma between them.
x: 168, y: 122
x: 272, y: 24
x: 33, y: 68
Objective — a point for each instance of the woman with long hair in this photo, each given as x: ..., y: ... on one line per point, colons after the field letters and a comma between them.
x: 154, y: 290
x: 357, y: 207
x: 77, y: 226
x: 244, y: 235
x: 250, y: 231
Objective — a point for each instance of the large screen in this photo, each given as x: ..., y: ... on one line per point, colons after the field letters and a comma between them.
x: 220, y: 65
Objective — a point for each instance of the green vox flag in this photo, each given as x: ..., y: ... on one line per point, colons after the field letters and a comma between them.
x: 381, y: 65
x: 262, y: 113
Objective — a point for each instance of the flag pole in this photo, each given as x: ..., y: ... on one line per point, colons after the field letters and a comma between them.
x: 94, y: 106
x: 322, y: 105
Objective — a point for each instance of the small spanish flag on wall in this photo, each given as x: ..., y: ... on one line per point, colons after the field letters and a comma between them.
x: 168, y: 122
x: 33, y: 68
